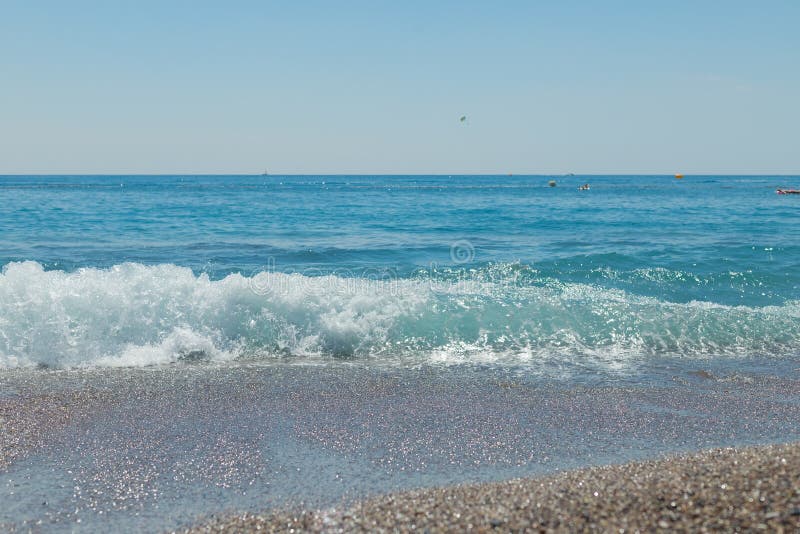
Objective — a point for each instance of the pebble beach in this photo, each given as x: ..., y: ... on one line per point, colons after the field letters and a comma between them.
x: 365, y: 448
x: 723, y: 490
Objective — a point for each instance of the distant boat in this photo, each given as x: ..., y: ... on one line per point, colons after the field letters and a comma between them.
x: 788, y: 191
x: 265, y: 173
x: 678, y: 176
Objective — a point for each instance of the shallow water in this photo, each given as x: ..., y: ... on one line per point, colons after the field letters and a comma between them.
x: 165, y: 447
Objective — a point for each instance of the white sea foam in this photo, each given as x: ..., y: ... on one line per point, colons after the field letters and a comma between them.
x: 137, y: 315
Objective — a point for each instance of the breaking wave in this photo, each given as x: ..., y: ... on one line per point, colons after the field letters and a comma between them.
x: 138, y: 315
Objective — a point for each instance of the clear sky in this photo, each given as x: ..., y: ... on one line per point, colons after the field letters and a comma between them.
x: 378, y: 86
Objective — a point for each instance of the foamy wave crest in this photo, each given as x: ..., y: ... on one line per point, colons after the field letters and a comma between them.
x: 137, y: 315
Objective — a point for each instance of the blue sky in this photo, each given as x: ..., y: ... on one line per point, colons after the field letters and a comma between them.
x: 379, y: 86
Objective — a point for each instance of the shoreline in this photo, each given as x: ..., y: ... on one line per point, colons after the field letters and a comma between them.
x: 160, y: 449
x: 753, y: 488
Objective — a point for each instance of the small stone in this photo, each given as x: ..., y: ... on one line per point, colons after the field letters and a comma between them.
x: 496, y: 522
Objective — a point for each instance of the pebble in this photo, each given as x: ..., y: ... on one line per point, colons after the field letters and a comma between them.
x: 681, y: 494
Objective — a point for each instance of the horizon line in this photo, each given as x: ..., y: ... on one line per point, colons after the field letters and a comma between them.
x: 561, y: 174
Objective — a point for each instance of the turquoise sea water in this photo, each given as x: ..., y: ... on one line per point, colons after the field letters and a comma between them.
x: 637, y: 274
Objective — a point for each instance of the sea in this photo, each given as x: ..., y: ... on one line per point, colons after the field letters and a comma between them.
x: 178, y: 348
x: 610, y: 283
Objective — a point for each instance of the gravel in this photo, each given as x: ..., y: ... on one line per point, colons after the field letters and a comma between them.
x: 27, y: 422
x: 748, y: 489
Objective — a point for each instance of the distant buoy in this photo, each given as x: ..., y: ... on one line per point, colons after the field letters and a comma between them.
x: 551, y: 183
x: 678, y: 176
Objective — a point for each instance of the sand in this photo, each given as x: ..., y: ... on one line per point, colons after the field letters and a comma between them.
x: 156, y: 450
x: 27, y: 421
x: 749, y: 489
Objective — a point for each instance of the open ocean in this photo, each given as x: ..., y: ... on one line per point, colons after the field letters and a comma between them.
x: 178, y: 346
x: 636, y: 273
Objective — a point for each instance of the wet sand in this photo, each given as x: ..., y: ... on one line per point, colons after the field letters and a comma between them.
x: 27, y: 420
x: 723, y: 490
x: 162, y: 449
